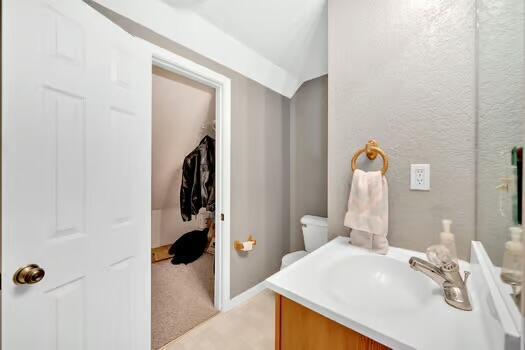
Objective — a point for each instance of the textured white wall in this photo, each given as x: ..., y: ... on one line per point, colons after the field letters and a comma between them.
x: 403, y: 73
x: 501, y: 114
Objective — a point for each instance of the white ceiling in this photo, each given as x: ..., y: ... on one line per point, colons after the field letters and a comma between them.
x: 278, y: 43
x: 290, y: 33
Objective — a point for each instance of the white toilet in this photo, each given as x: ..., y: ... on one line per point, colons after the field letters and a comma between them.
x: 315, y: 234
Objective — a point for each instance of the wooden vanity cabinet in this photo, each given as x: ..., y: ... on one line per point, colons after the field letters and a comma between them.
x: 299, y: 328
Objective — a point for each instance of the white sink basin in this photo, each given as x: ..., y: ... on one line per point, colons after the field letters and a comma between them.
x: 351, y: 278
x: 382, y: 298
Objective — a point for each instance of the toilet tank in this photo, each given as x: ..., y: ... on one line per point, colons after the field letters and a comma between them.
x: 315, y: 231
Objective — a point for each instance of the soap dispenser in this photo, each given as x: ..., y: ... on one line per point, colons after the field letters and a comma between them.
x: 448, y: 240
x: 511, y: 268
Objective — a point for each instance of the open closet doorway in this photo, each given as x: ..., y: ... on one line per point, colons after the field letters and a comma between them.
x: 183, y: 204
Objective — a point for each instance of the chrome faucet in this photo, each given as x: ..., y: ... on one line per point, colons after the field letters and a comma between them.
x: 448, y: 277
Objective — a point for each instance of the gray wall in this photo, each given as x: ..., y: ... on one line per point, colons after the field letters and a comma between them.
x: 403, y: 73
x: 309, y: 155
x: 501, y: 115
x: 260, y: 174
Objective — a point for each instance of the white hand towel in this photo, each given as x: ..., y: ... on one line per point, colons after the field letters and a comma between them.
x: 367, y: 213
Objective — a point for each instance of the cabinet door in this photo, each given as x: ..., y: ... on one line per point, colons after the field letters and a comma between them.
x: 299, y: 328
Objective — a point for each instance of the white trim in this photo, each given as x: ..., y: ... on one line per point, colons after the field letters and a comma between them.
x: 245, y: 296
x: 170, y: 61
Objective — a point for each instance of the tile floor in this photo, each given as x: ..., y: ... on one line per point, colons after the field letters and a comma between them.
x: 249, y: 326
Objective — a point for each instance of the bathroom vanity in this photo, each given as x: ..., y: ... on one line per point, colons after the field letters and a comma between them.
x: 344, y: 297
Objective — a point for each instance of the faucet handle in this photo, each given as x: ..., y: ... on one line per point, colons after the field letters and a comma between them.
x: 467, y: 275
x: 450, y: 266
x: 438, y: 255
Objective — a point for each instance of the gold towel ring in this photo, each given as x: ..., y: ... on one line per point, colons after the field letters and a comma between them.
x: 372, y: 149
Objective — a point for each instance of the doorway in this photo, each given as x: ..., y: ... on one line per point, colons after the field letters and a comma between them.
x: 207, y: 276
x: 183, y: 205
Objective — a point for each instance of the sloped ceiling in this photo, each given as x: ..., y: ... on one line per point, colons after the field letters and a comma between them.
x: 290, y: 33
x: 279, y: 44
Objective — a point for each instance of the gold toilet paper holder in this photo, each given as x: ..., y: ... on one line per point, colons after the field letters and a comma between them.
x: 239, y: 246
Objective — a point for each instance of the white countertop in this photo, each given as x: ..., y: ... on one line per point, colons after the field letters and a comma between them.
x: 433, y: 324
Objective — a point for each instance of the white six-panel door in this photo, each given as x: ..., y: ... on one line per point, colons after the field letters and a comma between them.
x: 76, y: 185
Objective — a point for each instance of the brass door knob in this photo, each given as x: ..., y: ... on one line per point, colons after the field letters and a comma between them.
x: 29, y: 274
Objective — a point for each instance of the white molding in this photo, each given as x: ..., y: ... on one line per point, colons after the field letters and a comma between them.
x: 170, y: 61
x: 194, y: 32
x: 245, y: 296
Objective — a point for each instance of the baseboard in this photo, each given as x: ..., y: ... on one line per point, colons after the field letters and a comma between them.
x: 245, y: 296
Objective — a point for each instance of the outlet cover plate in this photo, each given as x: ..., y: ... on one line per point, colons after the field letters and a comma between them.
x: 420, y: 177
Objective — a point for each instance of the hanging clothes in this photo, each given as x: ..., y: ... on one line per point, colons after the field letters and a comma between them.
x: 198, y: 180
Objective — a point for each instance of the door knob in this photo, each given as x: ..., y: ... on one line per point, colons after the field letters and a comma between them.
x: 29, y: 274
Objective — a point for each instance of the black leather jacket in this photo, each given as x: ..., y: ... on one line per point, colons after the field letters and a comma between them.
x: 198, y: 180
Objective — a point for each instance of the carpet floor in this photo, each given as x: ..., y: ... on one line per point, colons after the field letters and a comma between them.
x: 182, y: 298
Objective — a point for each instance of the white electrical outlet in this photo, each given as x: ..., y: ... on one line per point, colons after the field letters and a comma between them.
x: 420, y: 177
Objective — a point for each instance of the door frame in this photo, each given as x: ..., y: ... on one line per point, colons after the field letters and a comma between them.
x: 172, y: 62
